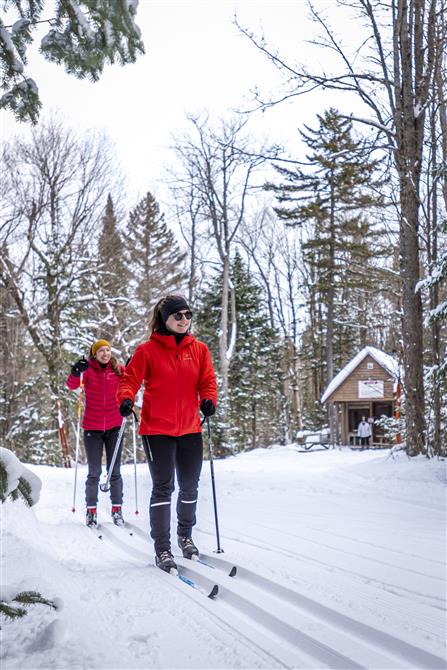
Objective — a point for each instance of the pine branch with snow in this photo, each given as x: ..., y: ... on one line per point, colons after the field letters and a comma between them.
x: 16, y: 481
x: 84, y: 36
x: 23, y: 491
x: 26, y: 598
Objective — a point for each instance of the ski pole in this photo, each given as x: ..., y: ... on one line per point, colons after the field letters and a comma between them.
x: 106, y: 487
x: 210, y: 447
x: 134, y: 424
x: 78, y: 433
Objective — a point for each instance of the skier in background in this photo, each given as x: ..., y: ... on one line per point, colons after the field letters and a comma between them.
x: 101, y: 423
x: 178, y: 377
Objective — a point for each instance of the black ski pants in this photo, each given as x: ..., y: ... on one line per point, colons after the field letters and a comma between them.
x: 167, y: 455
x: 94, y: 441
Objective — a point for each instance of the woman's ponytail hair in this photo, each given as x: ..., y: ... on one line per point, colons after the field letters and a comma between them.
x: 155, y: 320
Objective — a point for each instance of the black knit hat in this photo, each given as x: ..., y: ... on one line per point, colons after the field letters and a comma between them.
x: 172, y: 305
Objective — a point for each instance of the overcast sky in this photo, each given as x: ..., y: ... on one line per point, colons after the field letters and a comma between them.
x: 195, y: 59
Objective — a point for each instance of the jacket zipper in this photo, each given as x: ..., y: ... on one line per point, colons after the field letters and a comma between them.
x: 177, y: 359
x: 104, y: 396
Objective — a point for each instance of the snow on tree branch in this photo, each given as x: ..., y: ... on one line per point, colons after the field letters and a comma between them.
x: 84, y: 36
x: 16, y: 480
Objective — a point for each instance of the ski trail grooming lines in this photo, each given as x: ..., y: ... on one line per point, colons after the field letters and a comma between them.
x: 106, y: 486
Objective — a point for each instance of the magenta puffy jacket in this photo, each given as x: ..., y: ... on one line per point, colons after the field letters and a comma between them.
x: 101, y: 409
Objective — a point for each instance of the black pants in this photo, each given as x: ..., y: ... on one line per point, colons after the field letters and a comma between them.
x: 166, y: 456
x: 94, y: 441
x: 364, y: 441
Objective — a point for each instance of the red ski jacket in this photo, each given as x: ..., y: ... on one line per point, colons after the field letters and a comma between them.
x: 176, y: 378
x: 101, y: 410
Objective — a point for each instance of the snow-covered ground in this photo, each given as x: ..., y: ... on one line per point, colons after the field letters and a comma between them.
x: 343, y: 556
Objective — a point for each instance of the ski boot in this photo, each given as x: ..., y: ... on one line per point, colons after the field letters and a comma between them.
x: 117, y: 515
x: 188, y: 548
x: 90, y: 517
x: 165, y: 561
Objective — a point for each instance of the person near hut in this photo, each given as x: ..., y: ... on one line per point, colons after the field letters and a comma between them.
x: 364, y: 432
x: 101, y: 424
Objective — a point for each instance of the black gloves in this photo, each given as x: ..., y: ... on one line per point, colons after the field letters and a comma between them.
x: 207, y: 407
x: 126, y: 407
x: 80, y: 366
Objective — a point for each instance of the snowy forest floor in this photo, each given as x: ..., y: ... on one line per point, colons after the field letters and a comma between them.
x: 344, y: 557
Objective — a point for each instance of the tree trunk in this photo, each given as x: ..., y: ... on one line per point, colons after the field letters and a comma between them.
x: 409, y: 120
x: 331, y: 291
x: 297, y: 409
x: 432, y: 254
x: 412, y: 323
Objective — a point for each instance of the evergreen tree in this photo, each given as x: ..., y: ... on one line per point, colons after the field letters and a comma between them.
x: 109, y: 311
x: 255, y: 391
x: 335, y: 199
x: 33, y: 435
x: 155, y: 259
x: 255, y: 371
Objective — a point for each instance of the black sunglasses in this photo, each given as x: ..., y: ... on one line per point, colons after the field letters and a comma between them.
x: 178, y: 316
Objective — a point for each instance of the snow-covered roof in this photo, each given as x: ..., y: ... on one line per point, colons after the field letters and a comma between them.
x: 385, y: 360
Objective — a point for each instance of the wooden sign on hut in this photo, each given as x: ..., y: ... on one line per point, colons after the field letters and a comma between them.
x: 366, y: 387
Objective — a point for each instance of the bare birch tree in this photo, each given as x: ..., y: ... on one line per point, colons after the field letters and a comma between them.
x: 276, y: 255
x: 219, y: 167
x: 58, y: 184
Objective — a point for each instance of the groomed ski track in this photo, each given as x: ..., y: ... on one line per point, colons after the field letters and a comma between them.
x: 270, y: 617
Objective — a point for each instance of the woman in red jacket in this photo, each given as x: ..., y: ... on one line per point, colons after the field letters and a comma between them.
x: 101, y: 423
x: 178, y: 377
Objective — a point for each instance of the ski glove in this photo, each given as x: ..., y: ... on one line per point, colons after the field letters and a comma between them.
x: 79, y: 367
x: 207, y: 407
x: 126, y: 407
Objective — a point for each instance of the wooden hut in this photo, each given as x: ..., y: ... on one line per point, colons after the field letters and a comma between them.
x: 366, y: 386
